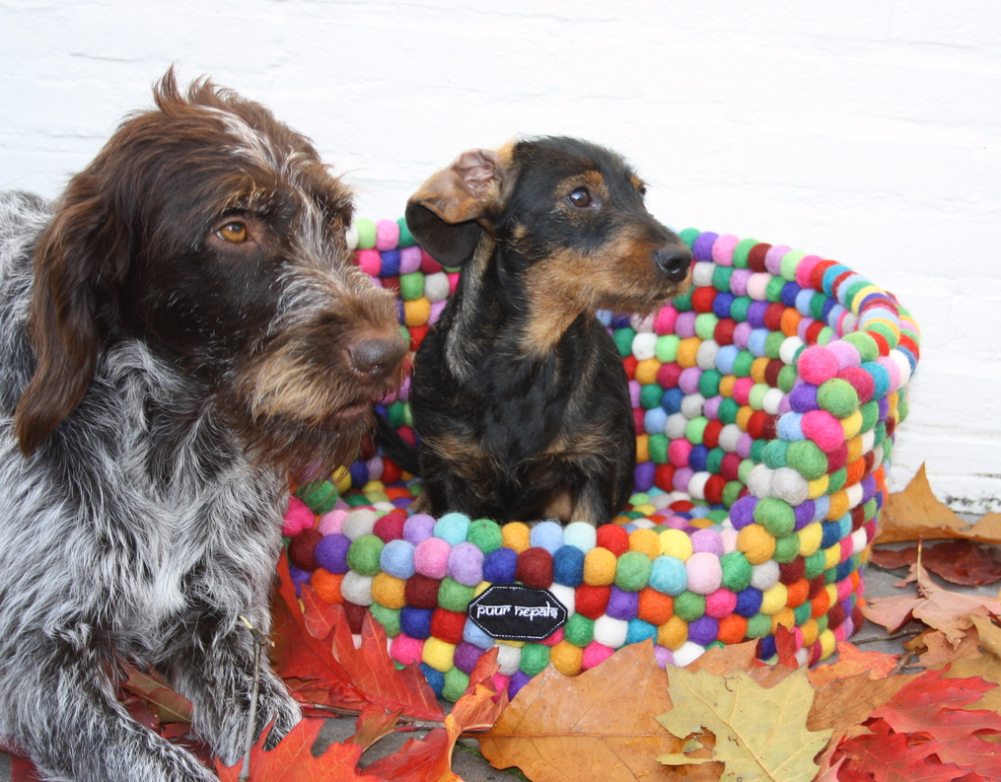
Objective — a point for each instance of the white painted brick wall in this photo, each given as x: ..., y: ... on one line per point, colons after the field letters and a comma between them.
x: 868, y: 132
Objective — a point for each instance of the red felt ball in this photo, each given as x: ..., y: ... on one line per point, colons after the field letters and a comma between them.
x: 861, y: 381
x: 448, y: 625
x: 817, y: 585
x: 614, y: 538
x: 791, y: 572
x: 417, y: 334
x: 591, y: 601
x: 813, y: 331
x: 663, y: 477
x: 756, y: 257
x: 668, y: 375
x: 773, y: 316
x: 703, y: 298
x: 710, y: 437
x: 835, y: 616
x: 837, y: 458
x: 629, y: 365
x: 367, y: 449
x: 356, y: 615
x: 730, y: 467
x: 302, y: 549
x: 390, y: 527
x: 756, y: 424
x: 391, y: 471
x: 421, y: 591
x: 772, y: 370
x: 858, y: 517
x: 723, y: 333
x: 535, y: 568
x: 714, y: 489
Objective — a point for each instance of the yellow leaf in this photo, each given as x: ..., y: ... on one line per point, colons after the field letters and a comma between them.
x: 761, y: 734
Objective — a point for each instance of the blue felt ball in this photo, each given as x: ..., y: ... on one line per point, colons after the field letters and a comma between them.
x: 474, y: 635
x: 452, y: 528
x: 568, y: 566
x: 416, y: 622
x: 748, y: 602
x: 668, y: 575
x: 547, y: 535
x: 397, y: 559
x: 435, y: 678
x: 640, y: 630
x: 499, y: 566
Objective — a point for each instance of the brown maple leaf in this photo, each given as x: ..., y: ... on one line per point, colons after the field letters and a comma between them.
x: 957, y: 561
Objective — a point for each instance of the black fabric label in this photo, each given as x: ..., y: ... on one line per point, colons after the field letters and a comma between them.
x: 514, y: 612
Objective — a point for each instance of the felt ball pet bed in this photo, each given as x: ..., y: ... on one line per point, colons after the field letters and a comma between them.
x: 765, y: 403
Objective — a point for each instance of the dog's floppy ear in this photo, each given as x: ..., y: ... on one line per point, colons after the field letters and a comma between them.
x: 84, y: 248
x: 443, y: 214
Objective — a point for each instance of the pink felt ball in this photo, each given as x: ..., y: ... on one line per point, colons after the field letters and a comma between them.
x: 332, y: 523
x: 704, y: 573
x: 817, y: 365
x: 406, y: 650
x: 824, y: 429
x: 298, y: 517
x: 595, y: 653
x: 721, y: 603
x: 431, y: 558
x: 387, y: 234
x: 369, y: 261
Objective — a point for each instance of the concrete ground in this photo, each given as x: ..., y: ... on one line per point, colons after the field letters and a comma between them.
x: 472, y: 767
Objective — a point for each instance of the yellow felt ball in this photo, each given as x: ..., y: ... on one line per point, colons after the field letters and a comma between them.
x: 341, y: 478
x: 675, y: 543
x: 817, y: 488
x: 516, y: 535
x: 786, y: 617
x: 438, y: 654
x: 726, y: 386
x: 755, y: 542
x: 743, y: 416
x: 758, y: 367
x: 810, y: 538
x: 646, y: 371
x: 480, y: 588
x: 566, y: 658
x: 852, y: 424
x: 702, y: 523
x: 688, y: 351
x: 515, y: 644
x: 809, y: 630
x: 828, y: 643
x: 673, y: 633
x: 643, y: 448
x: 832, y: 593
x: 389, y: 591
x: 840, y: 505
x: 645, y: 541
x: 855, y: 449
x: 774, y: 599
x: 416, y: 312
x: 599, y: 567
x: 645, y: 508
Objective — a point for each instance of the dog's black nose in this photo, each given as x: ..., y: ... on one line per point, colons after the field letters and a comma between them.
x: 674, y: 261
x: 377, y: 357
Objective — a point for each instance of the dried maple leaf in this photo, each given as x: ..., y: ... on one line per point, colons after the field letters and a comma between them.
x: 596, y: 727
x: 846, y: 702
x: 950, y: 612
x: 957, y: 561
x: 166, y: 705
x: 761, y: 734
x: 852, y: 661
x: 915, y: 514
x: 293, y: 761
x: 933, y: 648
x: 889, y: 757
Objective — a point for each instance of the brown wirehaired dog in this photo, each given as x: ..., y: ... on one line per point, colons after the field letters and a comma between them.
x: 178, y: 332
x: 518, y: 392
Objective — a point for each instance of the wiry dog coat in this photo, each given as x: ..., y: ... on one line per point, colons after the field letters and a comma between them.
x: 181, y: 329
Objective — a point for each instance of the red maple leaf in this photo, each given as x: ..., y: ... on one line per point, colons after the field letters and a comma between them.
x: 293, y: 761
x: 889, y: 757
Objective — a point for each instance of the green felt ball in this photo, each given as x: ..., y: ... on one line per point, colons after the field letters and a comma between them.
x: 870, y: 415
x: 747, y: 466
x: 485, y: 534
x: 695, y: 429
x: 731, y: 492
x: 775, y: 454
x: 786, y: 548
x: 666, y: 348
x: 718, y: 516
x: 773, y: 290
x: 389, y: 618
x: 624, y: 340
x: 822, y: 622
x: 773, y: 344
x: 757, y: 451
x: 728, y: 410
x: 319, y: 496
x: 366, y: 233
x: 411, y: 286
x: 756, y: 398
x: 579, y: 630
x: 817, y: 302
x: 866, y: 346
x: 657, y: 445
x: 759, y: 625
x: 406, y: 238
x: 814, y: 564
x: 363, y: 555
x: 709, y: 382
x: 802, y: 613
x: 838, y: 397
x: 787, y: 378
x: 739, y: 307
x: 741, y: 251
x: 453, y: 596
x: 742, y: 363
x: 705, y: 325
x: 534, y: 658
x: 632, y: 571
x: 790, y: 263
x: 807, y: 459
x: 775, y: 515
x: 356, y: 500
x: 689, y: 606
x: 714, y: 460
x: 721, y: 278
x: 737, y: 571
x: 455, y: 685
x: 650, y: 395
x: 689, y: 235
x: 836, y: 480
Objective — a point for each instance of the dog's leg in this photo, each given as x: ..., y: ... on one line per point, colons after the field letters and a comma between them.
x: 73, y: 728
x: 216, y: 672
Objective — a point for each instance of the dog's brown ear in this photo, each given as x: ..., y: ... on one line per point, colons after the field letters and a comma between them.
x: 84, y: 247
x: 443, y: 215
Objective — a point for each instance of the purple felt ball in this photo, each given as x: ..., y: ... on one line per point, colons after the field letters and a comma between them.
x: 417, y: 528
x: 332, y: 553
x: 465, y: 564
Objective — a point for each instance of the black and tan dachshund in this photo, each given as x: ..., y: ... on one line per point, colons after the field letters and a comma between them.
x: 518, y: 395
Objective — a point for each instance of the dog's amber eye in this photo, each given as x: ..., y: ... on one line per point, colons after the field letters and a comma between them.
x: 233, y: 232
x: 580, y: 197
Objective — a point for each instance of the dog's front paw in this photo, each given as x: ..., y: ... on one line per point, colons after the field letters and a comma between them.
x: 274, y: 704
